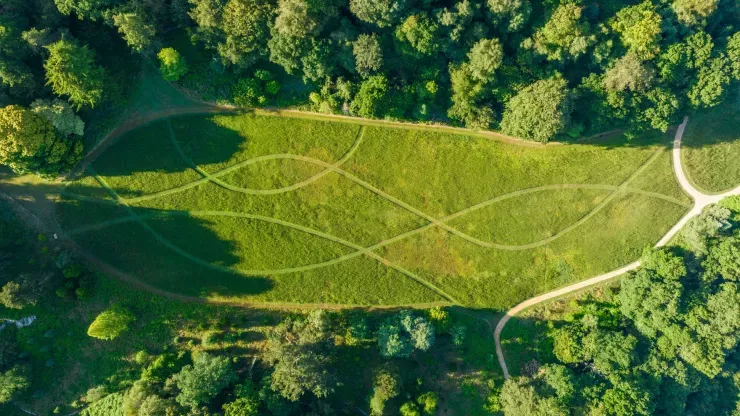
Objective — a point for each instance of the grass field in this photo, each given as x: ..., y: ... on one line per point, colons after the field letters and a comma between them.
x: 712, y: 148
x: 276, y: 209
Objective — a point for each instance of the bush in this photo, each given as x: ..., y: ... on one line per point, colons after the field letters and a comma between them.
x: 171, y: 64
x: 111, y: 323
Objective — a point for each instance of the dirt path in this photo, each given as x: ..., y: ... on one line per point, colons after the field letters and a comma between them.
x: 701, y: 200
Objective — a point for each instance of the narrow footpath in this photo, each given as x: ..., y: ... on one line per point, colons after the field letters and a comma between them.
x: 701, y: 200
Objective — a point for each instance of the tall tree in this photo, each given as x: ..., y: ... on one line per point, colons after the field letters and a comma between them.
x: 565, y: 36
x: 71, y: 70
x: 639, y: 27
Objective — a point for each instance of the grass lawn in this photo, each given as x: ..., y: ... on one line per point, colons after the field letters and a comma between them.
x: 261, y: 208
x: 712, y: 148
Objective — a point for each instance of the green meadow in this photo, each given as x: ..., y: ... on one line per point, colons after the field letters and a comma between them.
x: 263, y: 208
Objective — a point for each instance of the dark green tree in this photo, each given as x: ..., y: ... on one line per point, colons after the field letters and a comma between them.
x: 71, y: 70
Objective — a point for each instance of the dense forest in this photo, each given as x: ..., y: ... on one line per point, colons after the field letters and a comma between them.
x: 533, y: 70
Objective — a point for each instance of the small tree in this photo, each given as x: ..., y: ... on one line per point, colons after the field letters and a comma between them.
x: 137, y: 32
x: 409, y: 409
x: 111, y: 323
x: 71, y: 70
x: 16, y: 296
x: 539, y: 111
x: 386, y: 385
x: 485, y: 58
x: 428, y: 402
x: 368, y: 54
x: 12, y: 382
x: 172, y: 65
x: 370, y: 99
x: 202, y: 381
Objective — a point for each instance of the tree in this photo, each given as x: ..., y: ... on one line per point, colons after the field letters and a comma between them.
x: 409, y: 409
x: 86, y: 9
x: 708, y: 88
x: 172, y: 65
x: 154, y: 405
x: 137, y: 32
x: 511, y: 15
x: 401, y: 334
x: 639, y: 27
x: 386, y: 385
x: 247, y: 401
x: 418, y: 35
x: 466, y: 94
x: 428, y: 402
x: 628, y: 73
x: 733, y: 54
x: 565, y: 36
x: 723, y: 260
x: 485, y: 58
x: 705, y: 226
x: 519, y: 397
x: 111, y: 323
x: 246, y: 27
x: 16, y: 296
x: 539, y: 111
x: 368, y: 54
x: 13, y: 382
x: 382, y: 13
x: 207, y: 15
x: 203, y: 380
x: 71, y: 70
x: 28, y: 143
x: 694, y: 12
x: 61, y: 115
x: 370, y: 99
x: 299, y: 352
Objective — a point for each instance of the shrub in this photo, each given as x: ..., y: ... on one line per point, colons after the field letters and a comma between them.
x: 171, y: 64
x: 111, y: 323
x: 428, y: 402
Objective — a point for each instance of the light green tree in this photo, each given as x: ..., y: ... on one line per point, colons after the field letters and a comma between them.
x: 565, y: 36
x: 539, y: 111
x: 639, y: 27
x: 485, y: 58
x: 137, y: 32
x: 172, y: 65
x: 111, y: 323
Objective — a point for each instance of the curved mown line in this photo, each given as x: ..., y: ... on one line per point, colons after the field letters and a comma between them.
x: 359, y: 250
x: 197, y: 260
x: 276, y: 191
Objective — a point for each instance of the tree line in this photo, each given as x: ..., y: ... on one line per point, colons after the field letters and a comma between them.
x: 533, y: 69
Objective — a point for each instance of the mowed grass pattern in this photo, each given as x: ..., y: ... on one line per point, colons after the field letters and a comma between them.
x: 712, y: 148
x: 276, y: 209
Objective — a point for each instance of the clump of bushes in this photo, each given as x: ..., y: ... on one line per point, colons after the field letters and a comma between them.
x: 256, y: 90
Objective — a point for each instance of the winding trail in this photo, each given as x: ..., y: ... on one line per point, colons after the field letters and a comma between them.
x: 701, y: 200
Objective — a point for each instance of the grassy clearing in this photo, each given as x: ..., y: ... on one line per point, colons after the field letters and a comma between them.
x: 712, y: 148
x: 518, y: 220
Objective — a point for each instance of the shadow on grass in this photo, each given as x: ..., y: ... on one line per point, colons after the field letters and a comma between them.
x: 169, y: 250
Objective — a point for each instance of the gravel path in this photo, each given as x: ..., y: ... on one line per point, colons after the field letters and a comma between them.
x: 701, y: 200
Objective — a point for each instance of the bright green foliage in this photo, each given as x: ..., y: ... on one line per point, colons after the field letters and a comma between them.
x: 386, y: 385
x: 628, y: 73
x: 694, y: 12
x: 709, y: 87
x: 137, y: 32
x: 28, y: 143
x: 156, y: 406
x: 85, y: 9
x: 485, y: 58
x: 299, y: 351
x: 466, y: 92
x: 458, y: 333
x: 565, y: 36
x: 428, y: 402
x: 382, y: 13
x: 16, y: 296
x: 111, y: 323
x: 246, y: 28
x: 639, y: 27
x: 510, y: 15
x: 733, y: 54
x: 520, y: 397
x: 71, y: 70
x: 172, y: 65
x: 368, y: 54
x: 418, y: 35
x: 539, y: 111
x: 203, y: 380
x: 61, y: 116
x: 440, y: 318
x: 724, y: 261
x: 369, y: 100
x: 12, y: 383
x: 409, y: 409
